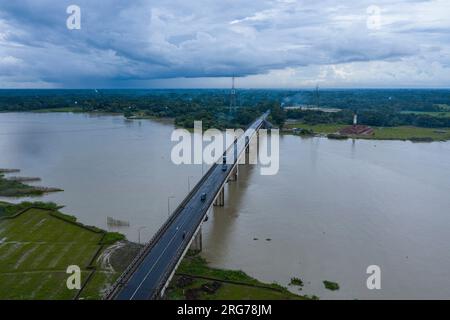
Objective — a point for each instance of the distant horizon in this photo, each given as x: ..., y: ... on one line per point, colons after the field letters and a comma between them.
x: 237, y: 88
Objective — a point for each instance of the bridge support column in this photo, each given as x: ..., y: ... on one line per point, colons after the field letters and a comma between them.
x: 220, y: 200
x: 234, y: 173
x: 196, y: 244
x: 247, y: 143
x: 246, y: 157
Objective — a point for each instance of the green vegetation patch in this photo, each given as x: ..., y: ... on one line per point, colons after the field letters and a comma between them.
x: 418, y: 134
x: 14, y: 188
x: 62, y: 109
x: 38, y: 245
x: 317, y: 128
x: 330, y: 285
x: 196, y: 280
x: 441, y: 114
x: 411, y: 133
x: 296, y: 282
x: 112, y: 237
x: 10, y: 209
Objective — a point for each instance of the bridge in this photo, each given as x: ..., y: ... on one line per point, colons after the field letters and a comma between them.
x: 149, y: 274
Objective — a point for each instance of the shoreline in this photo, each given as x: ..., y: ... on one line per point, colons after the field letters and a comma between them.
x: 323, y: 135
x: 399, y: 133
x: 16, y: 186
x: 196, y: 280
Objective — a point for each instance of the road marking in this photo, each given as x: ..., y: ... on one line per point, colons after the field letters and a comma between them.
x: 153, y: 266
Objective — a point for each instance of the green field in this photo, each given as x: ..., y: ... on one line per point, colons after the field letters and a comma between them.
x: 37, y: 246
x: 410, y: 133
x: 383, y: 133
x: 442, y: 114
x: 317, y: 128
x: 62, y: 109
x: 234, y: 285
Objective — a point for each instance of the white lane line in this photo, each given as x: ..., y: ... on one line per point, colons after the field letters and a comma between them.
x: 159, y: 257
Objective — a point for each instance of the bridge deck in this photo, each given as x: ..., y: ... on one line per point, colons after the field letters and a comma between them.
x: 161, y: 255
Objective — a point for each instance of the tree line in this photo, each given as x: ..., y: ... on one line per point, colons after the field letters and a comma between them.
x: 374, y: 107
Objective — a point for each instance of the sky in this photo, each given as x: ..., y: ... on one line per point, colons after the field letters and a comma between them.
x: 202, y: 43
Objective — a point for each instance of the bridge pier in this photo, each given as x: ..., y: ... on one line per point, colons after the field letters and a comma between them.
x: 196, y: 244
x: 234, y: 173
x: 220, y: 200
x: 247, y: 144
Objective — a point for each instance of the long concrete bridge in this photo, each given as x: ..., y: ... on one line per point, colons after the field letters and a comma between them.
x: 149, y: 274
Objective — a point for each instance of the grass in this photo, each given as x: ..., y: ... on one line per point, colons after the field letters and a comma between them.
x: 37, y: 246
x: 317, y: 128
x: 330, y: 285
x: 296, y: 282
x: 112, y: 237
x: 411, y: 133
x: 12, y: 188
x: 234, y: 285
x: 63, y: 109
x: 384, y: 133
x: 439, y: 114
x: 143, y: 116
x: 8, y: 209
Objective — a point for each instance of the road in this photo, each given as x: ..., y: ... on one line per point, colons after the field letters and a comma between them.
x: 156, y: 266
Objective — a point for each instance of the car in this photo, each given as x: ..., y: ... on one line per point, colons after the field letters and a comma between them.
x: 224, y: 163
x: 203, y: 196
x: 184, y: 235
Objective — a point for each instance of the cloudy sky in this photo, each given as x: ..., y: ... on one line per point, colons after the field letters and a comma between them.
x: 201, y: 43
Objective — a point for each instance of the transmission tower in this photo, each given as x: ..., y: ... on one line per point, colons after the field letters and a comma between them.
x: 317, y: 96
x: 232, y: 109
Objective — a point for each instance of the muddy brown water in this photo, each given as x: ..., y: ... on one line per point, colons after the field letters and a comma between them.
x: 334, y: 208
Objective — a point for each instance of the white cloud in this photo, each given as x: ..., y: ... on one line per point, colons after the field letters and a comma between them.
x: 268, y: 43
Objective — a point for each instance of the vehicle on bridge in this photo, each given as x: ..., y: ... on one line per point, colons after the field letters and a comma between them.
x: 224, y: 163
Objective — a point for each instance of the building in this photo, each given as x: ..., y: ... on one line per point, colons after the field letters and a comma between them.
x: 356, y: 129
x: 310, y: 108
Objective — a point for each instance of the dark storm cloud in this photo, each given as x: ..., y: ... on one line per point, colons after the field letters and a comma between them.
x: 139, y: 40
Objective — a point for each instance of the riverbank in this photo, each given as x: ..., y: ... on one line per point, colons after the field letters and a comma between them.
x: 63, y: 109
x: 38, y: 243
x: 16, y: 186
x: 133, y: 116
x: 195, y: 280
x: 380, y: 133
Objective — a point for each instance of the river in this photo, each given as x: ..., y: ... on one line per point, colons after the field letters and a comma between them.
x: 333, y: 209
